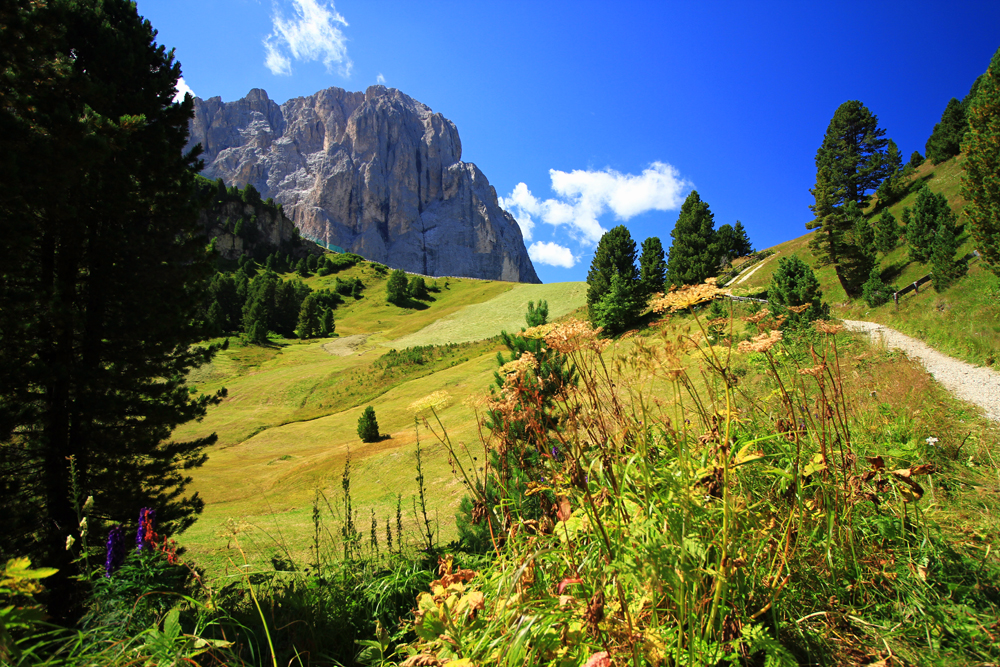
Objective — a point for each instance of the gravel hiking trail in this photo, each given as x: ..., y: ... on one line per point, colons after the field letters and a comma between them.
x: 975, y: 384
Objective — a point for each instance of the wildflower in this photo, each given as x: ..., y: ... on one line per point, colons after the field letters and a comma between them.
x: 932, y: 441
x: 69, y: 542
x: 83, y: 527
x: 573, y: 335
x: 115, y: 550
x: 815, y: 371
x: 88, y: 504
x: 146, y: 534
x: 761, y: 343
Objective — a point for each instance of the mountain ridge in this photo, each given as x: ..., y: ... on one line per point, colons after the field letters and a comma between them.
x: 376, y: 173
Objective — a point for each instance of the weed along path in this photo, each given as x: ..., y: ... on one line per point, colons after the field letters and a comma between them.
x: 975, y: 384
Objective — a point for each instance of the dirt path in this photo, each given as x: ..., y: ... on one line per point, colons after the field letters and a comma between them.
x: 975, y: 384
x: 740, y: 277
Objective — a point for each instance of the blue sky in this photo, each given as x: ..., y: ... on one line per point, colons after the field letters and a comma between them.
x: 588, y: 115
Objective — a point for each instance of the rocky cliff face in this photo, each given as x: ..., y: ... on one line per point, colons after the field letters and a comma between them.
x: 376, y: 173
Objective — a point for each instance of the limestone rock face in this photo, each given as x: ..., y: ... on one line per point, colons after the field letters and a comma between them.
x: 375, y: 173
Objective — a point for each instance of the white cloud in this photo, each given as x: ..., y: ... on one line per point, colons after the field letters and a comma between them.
x: 552, y: 254
x: 380, y: 79
x: 182, y: 88
x: 312, y: 34
x: 584, y: 196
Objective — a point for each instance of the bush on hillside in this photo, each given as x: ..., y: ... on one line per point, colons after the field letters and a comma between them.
x: 875, y: 292
x: 396, y: 288
x: 793, y: 288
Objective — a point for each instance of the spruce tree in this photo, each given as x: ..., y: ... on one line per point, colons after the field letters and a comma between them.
x: 916, y: 159
x: 944, y: 269
x: 981, y: 181
x: 886, y: 232
x: 693, y: 255
x: 327, y: 326
x: 103, y: 271
x: 741, y: 246
x: 893, y: 186
x: 615, y: 254
x: 418, y: 288
x: 652, y: 267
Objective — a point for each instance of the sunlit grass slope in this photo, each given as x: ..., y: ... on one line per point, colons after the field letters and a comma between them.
x: 292, y: 408
x: 964, y: 320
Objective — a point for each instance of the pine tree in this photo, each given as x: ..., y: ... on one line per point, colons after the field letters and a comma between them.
x: 395, y: 288
x: 536, y: 317
x: 742, y: 246
x: 693, y: 255
x: 886, y: 232
x: 875, y: 292
x: 418, y: 288
x: 944, y: 269
x: 894, y: 186
x: 945, y: 141
x: 615, y: 254
x: 652, y: 267
x: 795, y: 284
x: 103, y: 272
x: 981, y: 181
x: 854, y: 153
x: 368, y: 426
x: 916, y: 159
x: 851, y: 161
x: 923, y: 221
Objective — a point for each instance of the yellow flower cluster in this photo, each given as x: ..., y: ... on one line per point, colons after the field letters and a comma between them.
x: 686, y: 296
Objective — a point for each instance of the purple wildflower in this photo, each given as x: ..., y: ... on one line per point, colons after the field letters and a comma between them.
x: 144, y: 536
x: 115, y: 550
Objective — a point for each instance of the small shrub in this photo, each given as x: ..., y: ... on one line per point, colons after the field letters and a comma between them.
x: 875, y: 292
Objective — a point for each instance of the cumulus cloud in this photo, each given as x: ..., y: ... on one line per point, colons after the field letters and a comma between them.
x: 380, y: 79
x: 313, y: 33
x: 584, y: 196
x: 182, y: 88
x: 552, y: 254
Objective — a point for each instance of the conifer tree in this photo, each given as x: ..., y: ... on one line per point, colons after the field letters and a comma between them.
x: 981, y: 181
x: 327, y: 326
x: 537, y: 316
x: 923, y: 221
x: 395, y: 288
x: 368, y: 426
x: 886, y: 232
x: 795, y: 284
x: 103, y: 274
x: 618, y: 309
x: 893, y: 186
x: 652, y: 267
x: 944, y: 269
x: 693, y: 255
x: 742, y: 245
x: 308, y: 324
x: 916, y: 159
x: 358, y: 286
x: 946, y: 140
x: 615, y: 254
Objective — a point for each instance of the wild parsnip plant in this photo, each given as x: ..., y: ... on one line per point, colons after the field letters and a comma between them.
x: 693, y: 519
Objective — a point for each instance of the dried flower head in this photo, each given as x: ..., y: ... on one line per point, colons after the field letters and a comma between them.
x: 761, y: 343
x: 798, y: 310
x: 718, y: 322
x: 754, y: 319
x: 541, y: 331
x: 815, y: 371
x: 828, y: 327
x: 526, y: 362
x: 687, y: 296
x: 573, y: 335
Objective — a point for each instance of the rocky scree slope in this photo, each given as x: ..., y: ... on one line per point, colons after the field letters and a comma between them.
x: 376, y: 173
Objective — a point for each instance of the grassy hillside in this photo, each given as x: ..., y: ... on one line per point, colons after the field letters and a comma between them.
x: 963, y: 321
x: 291, y: 413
